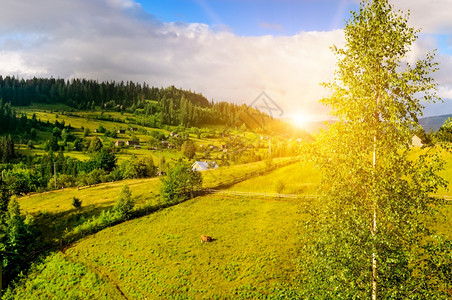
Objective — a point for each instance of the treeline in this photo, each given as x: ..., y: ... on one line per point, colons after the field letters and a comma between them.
x: 83, y: 93
x: 50, y: 171
x: 17, y: 235
x: 11, y: 124
x: 162, y: 106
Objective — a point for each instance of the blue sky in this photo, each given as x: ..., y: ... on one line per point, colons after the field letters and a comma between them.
x: 254, y: 18
x: 227, y: 50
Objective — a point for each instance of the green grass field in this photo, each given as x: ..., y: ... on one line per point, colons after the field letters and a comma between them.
x: 101, y: 195
x: 298, y: 178
x: 160, y: 256
x: 226, y: 174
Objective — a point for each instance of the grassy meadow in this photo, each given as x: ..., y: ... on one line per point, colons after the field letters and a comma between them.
x: 160, y: 256
x: 101, y: 196
x: 224, y: 176
x: 297, y: 178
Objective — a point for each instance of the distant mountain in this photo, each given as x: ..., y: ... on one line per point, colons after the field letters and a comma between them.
x: 428, y: 123
x: 433, y: 123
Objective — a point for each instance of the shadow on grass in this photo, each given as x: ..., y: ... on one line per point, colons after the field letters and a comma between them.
x: 53, y: 226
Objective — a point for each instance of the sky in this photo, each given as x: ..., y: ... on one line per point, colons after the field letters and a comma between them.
x: 228, y: 50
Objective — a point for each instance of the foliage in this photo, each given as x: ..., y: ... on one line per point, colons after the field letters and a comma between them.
x: 52, y: 144
x: 62, y: 181
x: 105, y: 159
x: 138, y: 168
x: 7, y: 152
x: 182, y: 181
x: 21, y: 181
x: 16, y: 236
x: 366, y: 234
x: 444, y: 133
x: 125, y: 204
x: 76, y: 203
x: 58, y: 278
x: 95, y: 145
x: 86, y: 132
x: 189, y: 149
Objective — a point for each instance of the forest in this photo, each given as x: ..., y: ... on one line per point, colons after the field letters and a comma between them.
x: 160, y: 106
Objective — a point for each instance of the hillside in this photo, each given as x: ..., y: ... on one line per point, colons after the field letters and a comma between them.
x: 428, y: 123
x: 160, y: 256
x: 298, y: 178
x: 433, y: 123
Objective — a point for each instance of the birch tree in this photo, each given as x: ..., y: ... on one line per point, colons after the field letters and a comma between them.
x: 367, y: 235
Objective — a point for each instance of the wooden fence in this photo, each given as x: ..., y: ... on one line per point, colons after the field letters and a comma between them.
x: 448, y: 199
x: 260, y: 195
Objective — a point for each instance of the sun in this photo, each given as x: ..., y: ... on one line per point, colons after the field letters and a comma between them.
x: 300, y: 120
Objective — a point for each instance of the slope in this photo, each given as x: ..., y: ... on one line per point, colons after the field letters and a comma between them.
x: 160, y: 256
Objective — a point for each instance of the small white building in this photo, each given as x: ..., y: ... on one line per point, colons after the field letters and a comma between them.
x: 416, y: 141
x: 204, y: 165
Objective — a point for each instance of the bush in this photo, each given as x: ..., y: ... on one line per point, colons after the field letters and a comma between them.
x: 125, y: 204
x: 76, y: 203
x: 180, y: 183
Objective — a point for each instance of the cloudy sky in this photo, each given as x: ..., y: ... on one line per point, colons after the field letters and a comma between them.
x: 228, y: 50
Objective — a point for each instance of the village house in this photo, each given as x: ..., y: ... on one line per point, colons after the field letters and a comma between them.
x: 133, y: 143
x: 121, y: 131
x: 119, y: 143
x: 203, y: 165
x: 416, y: 141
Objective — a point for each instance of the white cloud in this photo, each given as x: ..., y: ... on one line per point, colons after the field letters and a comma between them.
x: 13, y: 63
x: 117, y: 40
x: 431, y: 16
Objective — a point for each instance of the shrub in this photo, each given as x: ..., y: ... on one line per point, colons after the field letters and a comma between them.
x: 125, y: 204
x: 180, y: 183
x: 76, y: 203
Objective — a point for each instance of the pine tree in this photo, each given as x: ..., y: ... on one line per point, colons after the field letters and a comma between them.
x: 367, y: 234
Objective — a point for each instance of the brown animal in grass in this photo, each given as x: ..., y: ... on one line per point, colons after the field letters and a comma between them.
x: 206, y: 239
